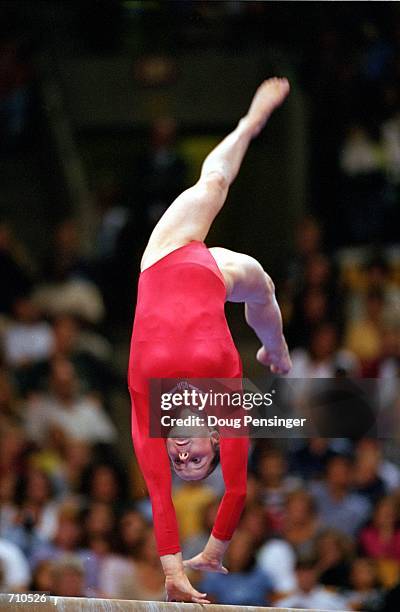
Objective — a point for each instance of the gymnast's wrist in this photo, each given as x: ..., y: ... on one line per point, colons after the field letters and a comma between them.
x: 215, y: 549
x: 172, y: 565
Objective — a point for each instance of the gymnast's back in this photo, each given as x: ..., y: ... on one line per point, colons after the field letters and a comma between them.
x: 180, y: 329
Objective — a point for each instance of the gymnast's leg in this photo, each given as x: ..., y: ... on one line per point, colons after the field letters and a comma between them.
x: 190, y: 216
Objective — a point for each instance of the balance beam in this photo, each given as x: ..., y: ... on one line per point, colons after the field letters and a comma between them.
x: 82, y: 604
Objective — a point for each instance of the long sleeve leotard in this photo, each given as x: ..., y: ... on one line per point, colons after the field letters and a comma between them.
x: 180, y: 330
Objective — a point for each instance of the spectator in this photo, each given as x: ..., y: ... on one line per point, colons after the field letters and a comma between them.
x: 67, y: 287
x: 310, y: 310
x: 36, y: 519
x: 15, y: 574
x: 276, y: 484
x: 67, y: 540
x: 338, y: 506
x: 365, y: 593
x: 145, y: 581
x: 388, y: 364
x: 113, y: 218
x: 99, y: 524
x: 28, y: 338
x: 376, y: 277
x: 194, y: 544
x: 359, y: 153
x: 76, y: 456
x: 190, y: 501
x: 73, y: 338
x: 322, y: 357
x: 316, y: 301
x: 246, y: 583
x: 309, y: 593
x: 367, y: 479
x: 276, y: 558
x: 69, y: 578
x: 43, y: 577
x: 307, y: 241
x: 76, y: 297
x: 319, y: 275
x: 363, y: 338
x: 310, y: 459
x: 10, y: 409
x: 66, y: 260
x: 387, y: 369
x: 99, y: 535
x: 67, y: 537
x: 8, y: 507
x: 254, y: 489
x: 334, y: 553
x: 132, y: 527
x: 14, y: 444
x: 88, y: 352
x: 118, y: 567
x: 300, y: 522
x: 387, y: 471
x: 105, y: 482
x: 391, y: 600
x: 255, y: 523
x: 65, y: 409
x: 381, y: 538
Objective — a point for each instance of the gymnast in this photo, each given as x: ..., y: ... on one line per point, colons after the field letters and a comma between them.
x: 180, y: 330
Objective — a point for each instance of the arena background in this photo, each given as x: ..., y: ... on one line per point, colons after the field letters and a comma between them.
x: 107, y: 110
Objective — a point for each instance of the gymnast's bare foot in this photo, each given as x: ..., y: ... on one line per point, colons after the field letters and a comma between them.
x: 270, y: 94
x: 278, y: 360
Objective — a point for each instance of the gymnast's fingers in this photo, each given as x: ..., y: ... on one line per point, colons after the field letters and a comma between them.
x: 200, y: 600
x: 198, y: 594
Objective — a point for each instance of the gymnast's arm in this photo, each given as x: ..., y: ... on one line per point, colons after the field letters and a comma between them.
x: 234, y: 454
x: 246, y: 282
x: 152, y: 457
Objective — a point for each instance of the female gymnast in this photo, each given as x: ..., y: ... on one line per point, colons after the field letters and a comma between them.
x: 180, y: 330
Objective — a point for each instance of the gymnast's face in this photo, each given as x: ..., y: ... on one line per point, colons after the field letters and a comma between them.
x: 192, y: 457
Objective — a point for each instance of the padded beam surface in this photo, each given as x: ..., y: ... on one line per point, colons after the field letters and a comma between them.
x: 20, y: 602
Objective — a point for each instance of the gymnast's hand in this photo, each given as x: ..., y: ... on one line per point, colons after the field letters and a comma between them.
x: 204, y: 563
x: 178, y: 588
x: 210, y: 559
x: 177, y: 584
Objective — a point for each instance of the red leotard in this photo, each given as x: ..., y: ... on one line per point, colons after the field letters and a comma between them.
x: 180, y: 330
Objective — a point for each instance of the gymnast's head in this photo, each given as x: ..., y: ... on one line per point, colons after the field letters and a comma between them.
x: 194, y: 458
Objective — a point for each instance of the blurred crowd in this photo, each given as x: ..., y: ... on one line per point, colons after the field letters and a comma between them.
x: 321, y: 526
x: 341, y: 310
